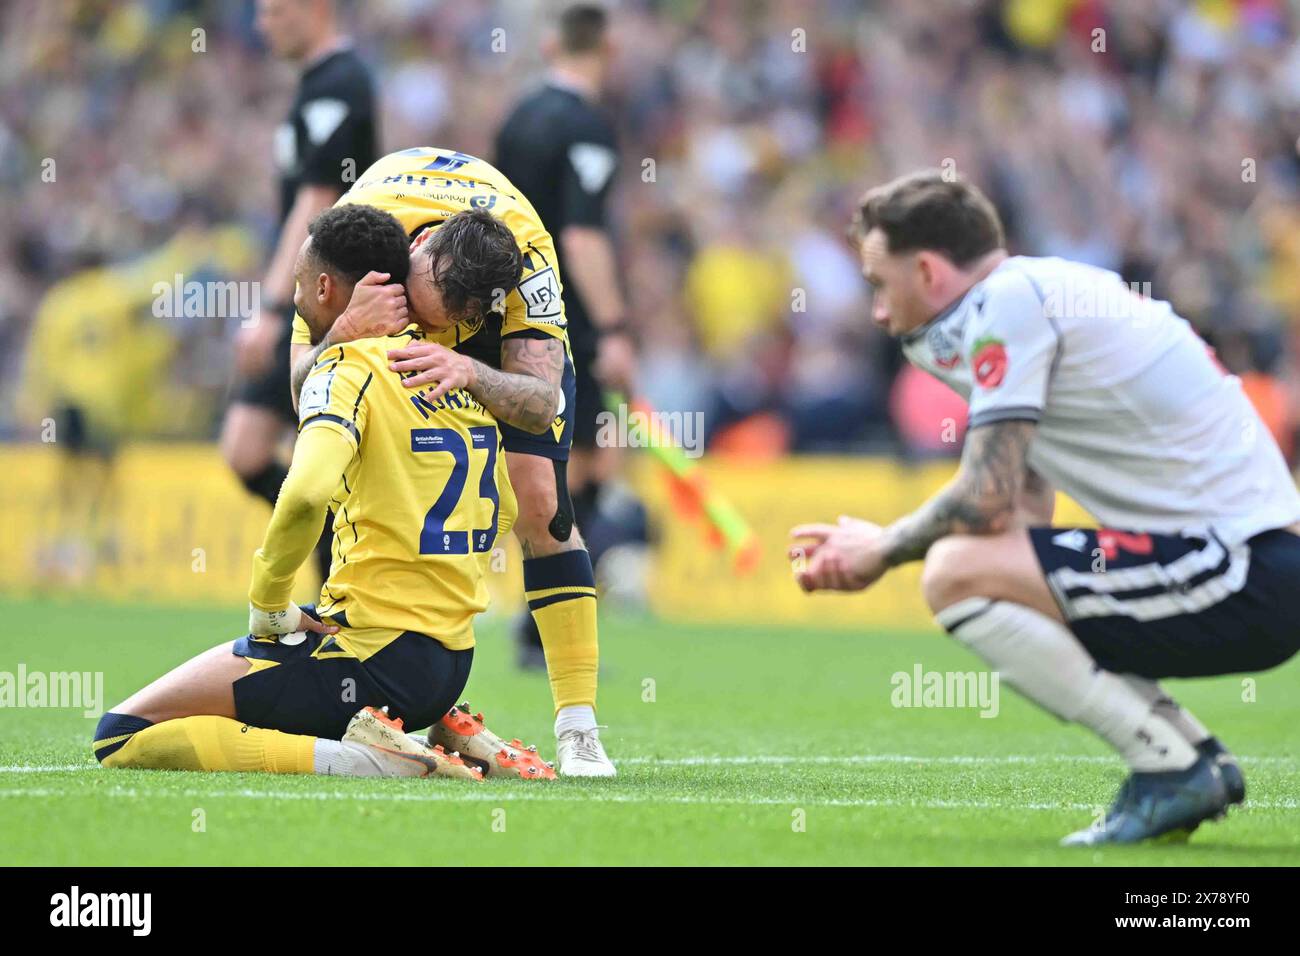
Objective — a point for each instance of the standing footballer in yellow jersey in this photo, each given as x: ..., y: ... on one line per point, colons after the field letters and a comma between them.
x: 424, y: 187
x: 420, y: 492
x: 516, y: 361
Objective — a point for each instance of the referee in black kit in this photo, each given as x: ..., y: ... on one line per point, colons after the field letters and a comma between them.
x: 558, y: 146
x: 327, y: 138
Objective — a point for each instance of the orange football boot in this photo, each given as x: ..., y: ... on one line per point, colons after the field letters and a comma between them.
x: 460, y: 731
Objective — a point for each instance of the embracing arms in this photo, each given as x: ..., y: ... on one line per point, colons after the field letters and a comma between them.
x: 524, y: 392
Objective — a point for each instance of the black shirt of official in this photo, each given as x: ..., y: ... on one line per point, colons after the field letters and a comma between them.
x: 560, y: 150
x: 331, y: 122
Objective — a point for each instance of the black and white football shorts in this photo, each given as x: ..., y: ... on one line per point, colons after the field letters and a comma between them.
x: 1176, y: 605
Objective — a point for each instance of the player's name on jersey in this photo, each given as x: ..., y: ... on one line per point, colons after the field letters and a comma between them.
x: 456, y: 399
x: 425, y: 182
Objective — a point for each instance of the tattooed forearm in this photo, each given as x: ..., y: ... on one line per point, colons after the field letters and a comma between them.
x: 980, y: 500
x: 1037, y: 501
x: 525, y: 392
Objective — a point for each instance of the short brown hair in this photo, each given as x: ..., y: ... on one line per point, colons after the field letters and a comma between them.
x: 582, y: 27
x: 475, y: 262
x: 928, y: 210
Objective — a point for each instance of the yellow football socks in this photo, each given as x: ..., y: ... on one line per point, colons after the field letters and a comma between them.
x: 203, y: 743
x: 561, y: 593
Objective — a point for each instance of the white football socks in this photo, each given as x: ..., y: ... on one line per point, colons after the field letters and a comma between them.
x: 1046, y: 663
x: 575, y: 717
x: 344, y: 758
x: 1184, y: 721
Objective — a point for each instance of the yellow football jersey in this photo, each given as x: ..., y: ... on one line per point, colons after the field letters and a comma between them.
x: 423, y: 187
x: 419, y: 507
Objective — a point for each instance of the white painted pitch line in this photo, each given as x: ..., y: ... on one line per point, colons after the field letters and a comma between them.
x: 856, y: 759
x: 745, y: 760
x: 576, y: 796
x: 47, y: 767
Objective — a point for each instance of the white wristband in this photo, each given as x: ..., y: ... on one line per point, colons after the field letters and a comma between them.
x: 265, y: 623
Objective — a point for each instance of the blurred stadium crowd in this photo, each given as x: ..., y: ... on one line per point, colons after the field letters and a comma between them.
x: 1163, y: 146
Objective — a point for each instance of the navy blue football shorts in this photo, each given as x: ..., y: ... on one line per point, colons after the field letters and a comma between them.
x: 314, y: 685
x: 1167, y: 605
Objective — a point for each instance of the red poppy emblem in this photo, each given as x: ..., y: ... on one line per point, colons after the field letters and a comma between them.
x: 989, y: 363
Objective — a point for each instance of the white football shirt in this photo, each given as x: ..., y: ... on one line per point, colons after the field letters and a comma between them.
x: 1136, y: 420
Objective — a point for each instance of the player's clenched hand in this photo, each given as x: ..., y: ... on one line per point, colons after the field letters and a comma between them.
x: 377, y: 307
x: 848, y: 556
x: 435, y: 364
x: 285, y: 621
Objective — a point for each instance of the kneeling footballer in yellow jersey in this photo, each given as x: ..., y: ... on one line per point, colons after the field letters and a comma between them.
x: 420, y: 492
x: 518, y: 364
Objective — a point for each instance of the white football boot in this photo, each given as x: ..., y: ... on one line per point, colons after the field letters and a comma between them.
x: 579, y: 753
x: 374, y: 728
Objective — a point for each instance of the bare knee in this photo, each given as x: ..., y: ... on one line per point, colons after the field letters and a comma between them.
x: 953, y: 572
x: 534, y: 481
x: 999, y: 567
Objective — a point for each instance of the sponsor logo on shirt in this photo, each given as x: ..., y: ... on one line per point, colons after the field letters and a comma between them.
x: 541, y: 294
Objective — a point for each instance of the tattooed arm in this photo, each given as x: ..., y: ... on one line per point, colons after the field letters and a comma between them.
x: 1037, y: 502
x: 853, y: 554
x: 524, y: 392
x: 981, y: 499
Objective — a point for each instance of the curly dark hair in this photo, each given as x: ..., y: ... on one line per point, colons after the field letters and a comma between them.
x: 475, y: 261
x: 354, y: 239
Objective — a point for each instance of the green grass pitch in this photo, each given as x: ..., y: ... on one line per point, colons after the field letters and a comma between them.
x: 751, y: 732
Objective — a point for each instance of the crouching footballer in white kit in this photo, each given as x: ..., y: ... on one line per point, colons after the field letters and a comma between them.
x: 1077, y: 383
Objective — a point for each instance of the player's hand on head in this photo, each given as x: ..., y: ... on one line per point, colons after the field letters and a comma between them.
x: 287, y: 620
x: 434, y: 365
x: 377, y: 307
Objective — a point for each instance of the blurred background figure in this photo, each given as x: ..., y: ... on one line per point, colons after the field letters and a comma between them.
x: 328, y: 137
x: 559, y: 147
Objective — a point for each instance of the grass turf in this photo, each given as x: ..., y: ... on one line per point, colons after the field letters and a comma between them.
x: 744, y: 734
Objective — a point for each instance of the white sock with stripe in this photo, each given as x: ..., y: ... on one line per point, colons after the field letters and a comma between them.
x: 1045, y: 662
x: 1184, y: 721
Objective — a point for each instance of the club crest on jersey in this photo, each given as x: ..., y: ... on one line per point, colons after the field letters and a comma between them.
x: 989, y: 362
x: 942, y: 347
